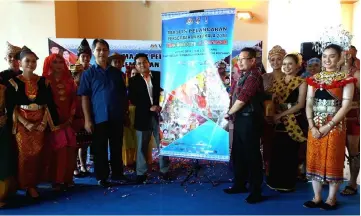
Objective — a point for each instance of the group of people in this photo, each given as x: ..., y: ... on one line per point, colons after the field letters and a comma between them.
x: 48, y: 121
x: 308, y: 119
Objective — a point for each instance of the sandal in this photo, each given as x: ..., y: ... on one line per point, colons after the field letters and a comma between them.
x: 349, y: 191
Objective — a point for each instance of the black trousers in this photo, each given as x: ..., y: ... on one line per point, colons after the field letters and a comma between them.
x: 103, y: 132
x: 246, y: 152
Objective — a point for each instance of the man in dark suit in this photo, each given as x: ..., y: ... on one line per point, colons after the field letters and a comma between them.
x: 144, y: 93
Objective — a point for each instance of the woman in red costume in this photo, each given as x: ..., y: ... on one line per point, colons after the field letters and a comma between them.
x: 353, y: 128
x: 329, y: 99
x: 33, y: 107
x: 62, y: 138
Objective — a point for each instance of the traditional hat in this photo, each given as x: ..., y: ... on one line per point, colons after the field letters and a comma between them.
x: 11, y: 49
x: 25, y: 50
x: 84, y: 48
x: 116, y: 56
x: 276, y: 50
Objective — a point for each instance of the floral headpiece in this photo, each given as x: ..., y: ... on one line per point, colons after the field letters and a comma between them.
x: 333, y: 35
x: 276, y: 50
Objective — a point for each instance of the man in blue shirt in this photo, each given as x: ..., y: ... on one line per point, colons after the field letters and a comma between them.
x: 105, y: 108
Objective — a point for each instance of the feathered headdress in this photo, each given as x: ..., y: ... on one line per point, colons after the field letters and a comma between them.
x: 333, y: 35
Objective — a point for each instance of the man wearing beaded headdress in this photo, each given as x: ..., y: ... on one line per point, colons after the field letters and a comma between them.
x: 275, y: 57
x: 329, y: 98
x: 353, y: 126
x: 12, y: 58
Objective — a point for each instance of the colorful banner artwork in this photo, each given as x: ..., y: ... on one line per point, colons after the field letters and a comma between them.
x: 194, y: 48
x: 68, y: 48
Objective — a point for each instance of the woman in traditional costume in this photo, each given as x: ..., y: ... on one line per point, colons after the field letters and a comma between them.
x: 329, y: 98
x: 353, y: 129
x: 83, y: 138
x: 7, y: 156
x: 275, y: 57
x: 62, y: 138
x: 33, y: 107
x: 290, y: 124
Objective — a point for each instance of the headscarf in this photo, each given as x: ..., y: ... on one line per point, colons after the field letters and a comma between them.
x: 84, y: 48
x: 276, y: 50
x: 47, y: 67
x: 313, y: 61
x: 25, y: 51
x: 11, y: 49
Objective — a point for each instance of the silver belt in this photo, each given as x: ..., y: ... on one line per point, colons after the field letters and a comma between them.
x: 31, y: 107
x: 326, y: 106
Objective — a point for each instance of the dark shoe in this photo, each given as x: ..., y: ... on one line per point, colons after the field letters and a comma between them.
x: 328, y: 207
x: 165, y: 176
x: 253, y: 199
x: 121, y: 178
x: 349, y: 191
x: 235, y: 190
x: 312, y: 204
x: 104, y: 183
x: 141, y: 179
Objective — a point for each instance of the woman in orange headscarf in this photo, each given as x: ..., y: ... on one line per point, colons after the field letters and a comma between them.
x: 32, y: 107
x: 329, y: 98
x: 275, y: 58
x: 62, y: 139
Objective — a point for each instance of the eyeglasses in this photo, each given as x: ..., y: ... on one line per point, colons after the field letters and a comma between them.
x: 242, y: 59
